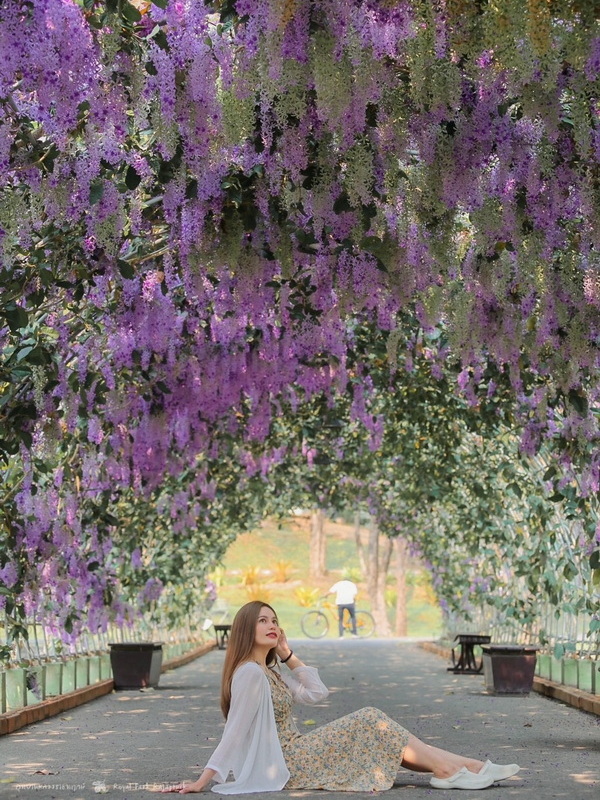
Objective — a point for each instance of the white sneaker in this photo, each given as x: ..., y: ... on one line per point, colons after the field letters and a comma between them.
x: 499, y: 772
x: 463, y: 779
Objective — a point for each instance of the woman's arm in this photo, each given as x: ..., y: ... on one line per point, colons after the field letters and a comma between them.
x: 303, y: 681
x: 247, y: 692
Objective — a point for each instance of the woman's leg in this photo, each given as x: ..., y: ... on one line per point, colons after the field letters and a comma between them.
x: 421, y: 757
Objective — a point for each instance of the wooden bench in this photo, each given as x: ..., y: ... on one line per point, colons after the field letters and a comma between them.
x: 222, y: 632
x: 467, y: 663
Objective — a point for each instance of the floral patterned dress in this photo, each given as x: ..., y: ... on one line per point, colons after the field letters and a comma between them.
x: 360, y: 752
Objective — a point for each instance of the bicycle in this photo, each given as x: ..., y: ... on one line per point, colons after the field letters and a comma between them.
x: 315, y: 623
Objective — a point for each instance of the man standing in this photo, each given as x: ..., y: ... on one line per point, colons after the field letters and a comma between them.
x: 345, y: 593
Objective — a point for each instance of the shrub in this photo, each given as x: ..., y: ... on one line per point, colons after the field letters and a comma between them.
x: 282, y: 571
x: 352, y: 574
x: 391, y: 595
x: 258, y: 591
x: 250, y: 576
x: 307, y: 597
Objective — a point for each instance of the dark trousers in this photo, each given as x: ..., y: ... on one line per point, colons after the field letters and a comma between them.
x: 351, y: 609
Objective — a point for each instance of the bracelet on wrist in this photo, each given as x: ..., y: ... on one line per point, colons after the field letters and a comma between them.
x: 287, y: 658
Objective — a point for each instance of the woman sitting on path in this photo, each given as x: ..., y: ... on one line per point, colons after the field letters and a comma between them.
x: 261, y: 746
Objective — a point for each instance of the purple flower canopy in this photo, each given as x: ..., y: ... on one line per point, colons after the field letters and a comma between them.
x: 197, y: 198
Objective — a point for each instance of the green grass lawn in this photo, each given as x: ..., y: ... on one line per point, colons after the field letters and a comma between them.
x: 275, y: 558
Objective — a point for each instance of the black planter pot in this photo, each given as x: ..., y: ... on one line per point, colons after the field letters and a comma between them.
x: 509, y: 668
x: 136, y: 665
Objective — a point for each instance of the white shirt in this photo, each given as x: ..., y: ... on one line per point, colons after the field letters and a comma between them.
x: 249, y: 747
x: 345, y: 592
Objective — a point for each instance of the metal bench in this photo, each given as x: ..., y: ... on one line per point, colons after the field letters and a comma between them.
x: 222, y: 632
x: 466, y: 662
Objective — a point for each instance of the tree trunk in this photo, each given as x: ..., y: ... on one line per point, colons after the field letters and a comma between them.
x: 359, y: 545
x: 386, y: 548
x: 401, y: 599
x: 317, y: 553
x: 378, y: 561
x: 323, y: 548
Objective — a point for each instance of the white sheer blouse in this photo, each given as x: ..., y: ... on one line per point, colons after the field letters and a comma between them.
x: 249, y: 747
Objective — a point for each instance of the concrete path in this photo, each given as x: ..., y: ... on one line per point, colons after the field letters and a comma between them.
x: 121, y: 744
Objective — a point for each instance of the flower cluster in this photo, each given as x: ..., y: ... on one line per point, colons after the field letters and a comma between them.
x: 197, y: 202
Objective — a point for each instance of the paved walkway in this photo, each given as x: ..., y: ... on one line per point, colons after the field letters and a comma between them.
x: 124, y: 742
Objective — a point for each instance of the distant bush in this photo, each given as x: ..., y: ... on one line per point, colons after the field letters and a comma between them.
x: 418, y: 588
x: 250, y: 576
x: 307, y: 597
x: 352, y: 574
x: 258, y: 591
x: 424, y: 591
x: 281, y: 571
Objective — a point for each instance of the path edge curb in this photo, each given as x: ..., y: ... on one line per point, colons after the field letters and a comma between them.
x: 15, y: 720
x: 557, y: 691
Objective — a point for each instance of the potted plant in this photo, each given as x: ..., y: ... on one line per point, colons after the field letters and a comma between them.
x: 509, y: 668
x: 136, y: 665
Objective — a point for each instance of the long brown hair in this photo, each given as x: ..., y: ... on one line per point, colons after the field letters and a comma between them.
x: 240, y: 645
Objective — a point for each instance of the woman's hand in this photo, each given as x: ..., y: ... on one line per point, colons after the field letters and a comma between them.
x: 283, y: 649
x: 197, y: 786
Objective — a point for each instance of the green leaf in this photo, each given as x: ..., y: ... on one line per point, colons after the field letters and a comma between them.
x: 126, y: 269
x: 96, y: 192
x: 570, y: 571
x: 17, y: 318
x: 131, y: 13
x: 549, y: 474
x: 95, y: 23
x: 342, y: 204
x: 515, y: 489
x: 160, y: 38
x: 191, y: 190
x: 132, y: 178
x: 595, y: 560
x: 160, y: 3
x: 26, y: 438
x: 38, y: 356
x: 559, y: 651
x: 579, y: 402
